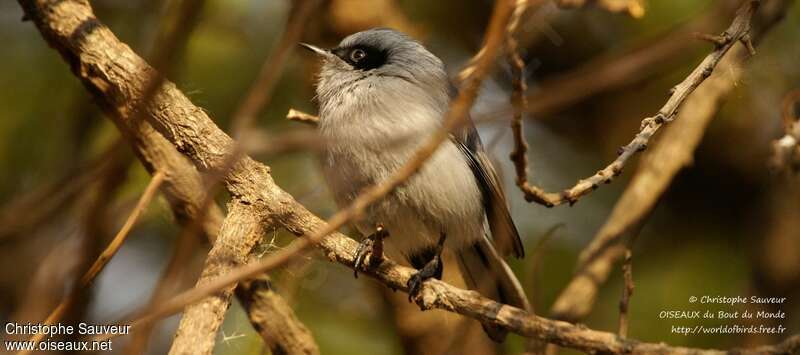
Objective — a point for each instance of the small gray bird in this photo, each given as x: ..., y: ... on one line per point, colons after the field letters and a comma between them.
x: 381, y: 95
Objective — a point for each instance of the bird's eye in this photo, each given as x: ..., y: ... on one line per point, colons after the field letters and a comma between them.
x: 357, y: 55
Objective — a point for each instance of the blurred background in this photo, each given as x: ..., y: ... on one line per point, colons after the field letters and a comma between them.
x: 726, y: 226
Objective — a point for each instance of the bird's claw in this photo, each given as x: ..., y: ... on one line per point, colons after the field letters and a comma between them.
x: 371, y: 246
x: 433, y: 269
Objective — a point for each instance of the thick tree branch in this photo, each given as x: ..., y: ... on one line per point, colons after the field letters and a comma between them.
x: 239, y: 233
x: 114, y: 74
x: 263, y: 306
x: 280, y: 199
x: 187, y: 193
x: 91, y: 48
x: 183, y: 185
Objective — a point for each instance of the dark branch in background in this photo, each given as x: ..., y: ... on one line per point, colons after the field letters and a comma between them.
x: 656, y: 171
x: 261, y: 90
x: 785, y: 150
x: 44, y: 202
x: 628, y: 67
x: 189, y: 128
x: 627, y: 292
x: 739, y: 31
x: 57, y: 314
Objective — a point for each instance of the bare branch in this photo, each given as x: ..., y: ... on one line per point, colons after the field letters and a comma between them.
x: 656, y: 171
x: 738, y: 31
x: 299, y: 116
x: 240, y: 232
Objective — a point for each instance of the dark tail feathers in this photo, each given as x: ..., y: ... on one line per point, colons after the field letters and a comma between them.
x: 486, y: 272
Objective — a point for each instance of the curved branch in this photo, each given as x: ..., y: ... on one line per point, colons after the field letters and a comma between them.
x: 738, y: 31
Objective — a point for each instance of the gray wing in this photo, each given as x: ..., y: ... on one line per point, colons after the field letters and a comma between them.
x: 504, y: 233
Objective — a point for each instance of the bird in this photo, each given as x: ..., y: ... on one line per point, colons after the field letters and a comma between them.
x: 381, y: 94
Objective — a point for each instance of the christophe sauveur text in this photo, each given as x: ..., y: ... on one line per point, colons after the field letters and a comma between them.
x: 728, y: 300
x: 12, y: 328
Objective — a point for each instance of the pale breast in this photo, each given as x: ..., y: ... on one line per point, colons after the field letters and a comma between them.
x: 369, y: 136
x: 442, y: 197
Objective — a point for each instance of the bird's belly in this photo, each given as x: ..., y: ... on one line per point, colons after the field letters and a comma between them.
x: 443, y: 197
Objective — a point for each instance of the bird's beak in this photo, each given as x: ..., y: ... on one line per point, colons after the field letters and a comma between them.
x: 315, y: 49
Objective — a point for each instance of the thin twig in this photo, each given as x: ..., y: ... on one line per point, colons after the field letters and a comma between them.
x: 519, y: 100
x: 299, y: 116
x: 105, y: 256
x: 738, y: 31
x: 519, y: 104
x: 116, y: 243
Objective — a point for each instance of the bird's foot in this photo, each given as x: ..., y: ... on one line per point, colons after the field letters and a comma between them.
x: 432, y: 269
x: 371, y: 246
